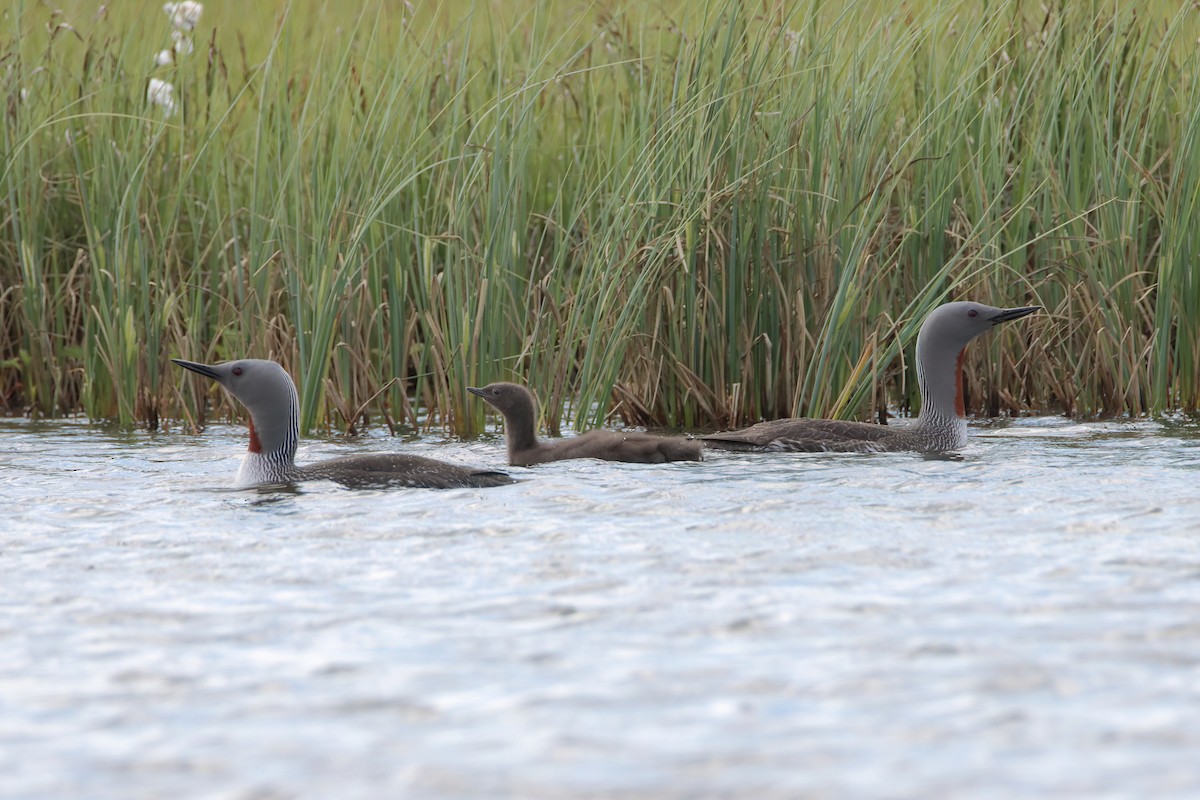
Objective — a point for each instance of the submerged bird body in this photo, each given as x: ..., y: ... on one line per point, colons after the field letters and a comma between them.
x: 268, y: 392
x: 941, y: 425
x: 517, y: 405
x: 834, y: 436
x: 631, y: 447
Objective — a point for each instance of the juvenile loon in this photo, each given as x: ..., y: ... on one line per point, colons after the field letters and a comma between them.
x: 517, y: 405
x: 941, y: 425
x: 267, y: 391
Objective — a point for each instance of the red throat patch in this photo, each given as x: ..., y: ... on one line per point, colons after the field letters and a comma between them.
x: 958, y: 386
x: 256, y: 446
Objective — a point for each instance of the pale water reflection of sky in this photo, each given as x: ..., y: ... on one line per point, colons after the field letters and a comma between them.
x: 1019, y: 622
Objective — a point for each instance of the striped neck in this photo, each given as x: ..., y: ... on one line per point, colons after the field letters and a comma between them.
x: 943, y: 415
x: 259, y: 468
x: 274, y: 437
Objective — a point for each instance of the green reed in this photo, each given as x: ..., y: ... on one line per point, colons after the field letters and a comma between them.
x: 697, y: 215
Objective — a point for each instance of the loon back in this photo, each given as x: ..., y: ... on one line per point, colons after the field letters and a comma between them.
x: 633, y: 447
x: 517, y: 405
x: 819, y: 436
x: 386, y: 470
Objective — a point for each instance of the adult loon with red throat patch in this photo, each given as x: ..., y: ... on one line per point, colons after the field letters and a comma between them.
x: 941, y: 426
x: 269, y: 394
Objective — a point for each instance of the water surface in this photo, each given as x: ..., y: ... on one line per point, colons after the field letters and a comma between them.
x: 1023, y: 621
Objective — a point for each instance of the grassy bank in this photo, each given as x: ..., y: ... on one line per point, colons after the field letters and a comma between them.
x: 701, y: 215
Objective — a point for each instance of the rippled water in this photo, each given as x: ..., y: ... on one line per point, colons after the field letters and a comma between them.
x: 1023, y: 621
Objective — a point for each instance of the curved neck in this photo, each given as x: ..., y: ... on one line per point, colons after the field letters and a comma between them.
x: 274, y: 437
x: 940, y: 379
x: 520, y: 433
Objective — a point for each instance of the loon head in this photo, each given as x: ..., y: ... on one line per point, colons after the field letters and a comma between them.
x: 951, y: 327
x: 507, y: 398
x: 941, y: 344
x: 267, y: 392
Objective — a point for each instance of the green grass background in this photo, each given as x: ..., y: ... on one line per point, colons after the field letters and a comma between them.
x: 681, y: 214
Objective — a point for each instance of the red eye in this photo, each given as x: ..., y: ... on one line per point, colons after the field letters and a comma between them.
x: 238, y: 370
x: 971, y: 313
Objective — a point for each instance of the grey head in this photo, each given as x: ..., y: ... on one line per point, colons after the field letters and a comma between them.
x: 507, y: 398
x: 952, y: 326
x: 516, y: 403
x: 944, y: 335
x: 267, y: 392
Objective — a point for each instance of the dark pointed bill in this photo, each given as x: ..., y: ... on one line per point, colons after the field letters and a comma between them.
x: 475, y: 391
x: 1010, y: 314
x: 202, y: 369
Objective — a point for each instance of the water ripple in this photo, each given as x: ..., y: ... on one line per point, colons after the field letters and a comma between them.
x: 1016, y: 621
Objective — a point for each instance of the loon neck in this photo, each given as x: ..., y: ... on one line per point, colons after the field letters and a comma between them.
x: 260, y: 468
x: 959, y: 405
x: 520, y: 434
x: 941, y: 383
x: 255, y: 444
x: 274, y: 437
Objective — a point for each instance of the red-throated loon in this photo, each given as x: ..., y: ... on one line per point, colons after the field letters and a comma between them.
x: 267, y: 391
x: 941, y: 425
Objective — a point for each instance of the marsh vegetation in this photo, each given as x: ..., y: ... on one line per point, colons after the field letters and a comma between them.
x: 691, y: 214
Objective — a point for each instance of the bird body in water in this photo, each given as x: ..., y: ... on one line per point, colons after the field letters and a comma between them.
x: 268, y: 393
x: 940, y: 427
x: 517, y: 405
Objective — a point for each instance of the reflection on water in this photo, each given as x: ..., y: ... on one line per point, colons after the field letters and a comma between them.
x: 942, y: 456
x: 1020, y: 619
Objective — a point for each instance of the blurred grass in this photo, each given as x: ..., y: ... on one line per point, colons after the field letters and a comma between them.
x: 692, y: 214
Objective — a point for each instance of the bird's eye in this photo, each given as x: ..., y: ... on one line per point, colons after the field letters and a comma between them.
x: 972, y: 313
x: 238, y: 370
x: 496, y: 392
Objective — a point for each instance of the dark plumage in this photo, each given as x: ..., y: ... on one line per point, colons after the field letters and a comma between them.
x: 941, y: 426
x: 385, y: 470
x: 517, y: 405
x: 269, y: 394
x: 813, y: 436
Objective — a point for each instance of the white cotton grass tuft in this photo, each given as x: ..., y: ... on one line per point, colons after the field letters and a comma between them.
x: 184, y: 14
x: 181, y: 46
x: 182, y: 43
x: 161, y: 94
